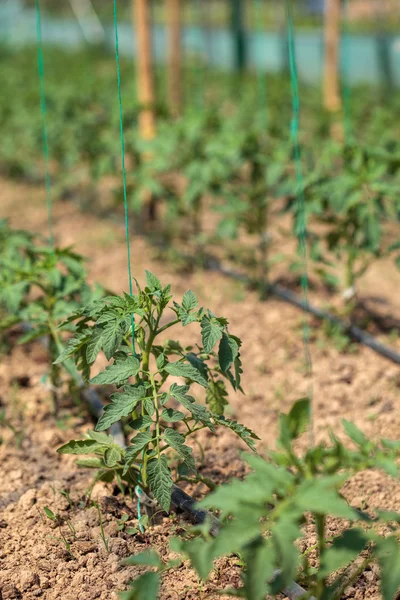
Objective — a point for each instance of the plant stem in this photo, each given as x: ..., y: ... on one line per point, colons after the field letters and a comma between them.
x: 167, y: 326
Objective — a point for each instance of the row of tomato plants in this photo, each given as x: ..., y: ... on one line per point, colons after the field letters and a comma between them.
x: 264, y: 515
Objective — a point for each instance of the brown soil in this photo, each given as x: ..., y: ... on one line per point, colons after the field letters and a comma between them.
x: 358, y: 385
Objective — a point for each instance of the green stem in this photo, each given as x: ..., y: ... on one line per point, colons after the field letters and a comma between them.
x: 352, y: 579
x: 155, y: 398
x: 167, y: 326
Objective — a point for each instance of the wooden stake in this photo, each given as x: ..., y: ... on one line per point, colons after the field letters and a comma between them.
x: 174, y: 56
x: 332, y: 100
x: 144, y: 62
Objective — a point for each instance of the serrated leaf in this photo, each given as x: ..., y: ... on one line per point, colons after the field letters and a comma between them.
x: 216, y: 397
x: 172, y: 416
x: 81, y: 447
x: 227, y: 352
x: 112, y: 456
x: 177, y: 441
x: 140, y: 441
x: 160, y: 361
x: 94, y: 345
x: 91, y: 462
x: 111, y: 338
x: 179, y: 369
x: 245, y: 434
x: 152, y: 281
x: 198, y: 412
x: 160, y: 481
x: 122, y: 404
x: 211, y: 332
x: 73, y: 346
x: 142, y: 422
x: 119, y: 372
x: 189, y: 301
x: 197, y: 363
x: 148, y: 405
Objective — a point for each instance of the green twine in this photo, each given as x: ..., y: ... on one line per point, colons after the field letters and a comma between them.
x: 300, y: 211
x: 126, y: 213
x: 43, y: 109
x: 345, y: 69
x: 122, y: 138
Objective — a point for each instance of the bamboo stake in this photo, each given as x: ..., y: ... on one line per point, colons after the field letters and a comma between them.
x: 144, y: 61
x: 174, y: 56
x: 332, y: 100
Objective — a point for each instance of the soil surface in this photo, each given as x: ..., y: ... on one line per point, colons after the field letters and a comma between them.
x: 357, y: 385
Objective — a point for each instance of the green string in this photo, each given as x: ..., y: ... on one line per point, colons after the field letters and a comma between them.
x: 43, y: 109
x: 126, y: 213
x: 121, y: 133
x: 300, y: 210
x: 345, y: 68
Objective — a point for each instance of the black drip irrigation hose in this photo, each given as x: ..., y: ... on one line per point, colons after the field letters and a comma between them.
x: 356, y: 333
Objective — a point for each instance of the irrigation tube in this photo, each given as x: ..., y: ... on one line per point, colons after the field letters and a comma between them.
x: 294, y: 299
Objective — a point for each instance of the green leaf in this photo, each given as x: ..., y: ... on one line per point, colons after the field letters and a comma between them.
x: 149, y: 558
x: 139, y: 442
x: 119, y: 372
x: 179, y: 369
x: 73, y: 346
x: 189, y: 301
x: 228, y: 351
x: 122, y: 404
x: 343, y: 550
x: 112, y: 456
x: 177, y: 441
x: 145, y: 587
x: 160, y: 361
x: 295, y: 422
x: 198, y: 412
x: 111, y: 338
x: 388, y: 552
x: 172, y: 416
x: 152, y: 282
x: 356, y: 435
x: 216, y: 396
x: 80, y: 447
x: 211, y: 332
x: 259, y: 558
x: 142, y: 422
x: 309, y: 494
x: 94, y: 345
x: 160, y: 481
x: 49, y: 513
x: 245, y: 434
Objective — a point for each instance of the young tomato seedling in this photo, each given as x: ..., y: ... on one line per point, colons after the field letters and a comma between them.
x: 163, y: 414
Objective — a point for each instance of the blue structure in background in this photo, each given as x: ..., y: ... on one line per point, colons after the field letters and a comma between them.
x: 315, y: 7
x: 371, y: 58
